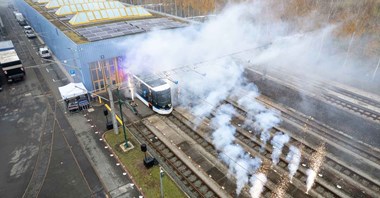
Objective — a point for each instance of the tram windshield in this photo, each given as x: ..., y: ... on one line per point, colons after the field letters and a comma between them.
x: 163, y: 99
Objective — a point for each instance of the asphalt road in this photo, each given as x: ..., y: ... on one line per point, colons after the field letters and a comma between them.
x: 41, y: 155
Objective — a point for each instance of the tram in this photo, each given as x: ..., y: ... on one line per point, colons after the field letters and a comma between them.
x: 155, y: 93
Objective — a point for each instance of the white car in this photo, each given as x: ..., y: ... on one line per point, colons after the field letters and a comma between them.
x: 30, y: 34
x: 44, y: 52
x: 27, y: 27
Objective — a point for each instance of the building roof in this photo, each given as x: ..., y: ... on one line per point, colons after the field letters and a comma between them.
x: 92, y: 20
x: 108, y: 14
x: 58, y: 3
x: 92, y: 6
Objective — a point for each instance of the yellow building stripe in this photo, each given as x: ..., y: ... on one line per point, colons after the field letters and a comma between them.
x: 117, y: 117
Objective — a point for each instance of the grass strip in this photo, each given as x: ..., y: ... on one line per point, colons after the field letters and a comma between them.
x: 147, y: 179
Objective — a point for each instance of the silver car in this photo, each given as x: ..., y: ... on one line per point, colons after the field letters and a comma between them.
x: 30, y: 34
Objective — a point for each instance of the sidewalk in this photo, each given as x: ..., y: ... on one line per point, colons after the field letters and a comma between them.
x: 89, y: 127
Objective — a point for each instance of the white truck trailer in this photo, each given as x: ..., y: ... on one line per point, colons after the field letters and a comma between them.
x: 10, y: 63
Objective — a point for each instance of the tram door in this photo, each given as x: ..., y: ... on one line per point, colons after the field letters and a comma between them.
x: 146, y: 93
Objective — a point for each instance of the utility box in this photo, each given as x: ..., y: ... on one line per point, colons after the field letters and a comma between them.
x: 150, y: 162
x: 109, y: 125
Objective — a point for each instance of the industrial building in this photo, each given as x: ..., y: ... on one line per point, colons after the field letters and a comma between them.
x: 84, y: 34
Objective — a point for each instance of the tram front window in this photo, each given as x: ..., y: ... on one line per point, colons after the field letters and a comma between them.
x: 164, y: 99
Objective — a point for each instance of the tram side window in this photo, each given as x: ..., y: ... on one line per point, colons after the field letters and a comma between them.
x: 138, y: 88
x: 145, y: 92
x: 154, y: 98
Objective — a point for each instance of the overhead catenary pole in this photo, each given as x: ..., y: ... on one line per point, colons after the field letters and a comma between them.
x: 122, y: 119
x: 377, y: 67
x: 112, y: 105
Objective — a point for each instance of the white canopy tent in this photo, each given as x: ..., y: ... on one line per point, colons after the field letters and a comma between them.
x: 72, y: 90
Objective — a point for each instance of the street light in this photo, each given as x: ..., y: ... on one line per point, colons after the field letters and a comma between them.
x: 161, y: 186
x: 74, y: 52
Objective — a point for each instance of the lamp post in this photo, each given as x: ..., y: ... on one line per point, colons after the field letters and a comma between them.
x: 161, y: 186
x: 74, y: 59
x: 122, y: 119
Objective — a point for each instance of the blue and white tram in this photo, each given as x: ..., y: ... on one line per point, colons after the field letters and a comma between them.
x: 156, y: 94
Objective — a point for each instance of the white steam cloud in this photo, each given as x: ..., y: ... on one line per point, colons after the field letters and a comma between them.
x: 258, y: 115
x: 294, y: 159
x: 311, y: 174
x: 250, y: 104
x: 258, y: 181
x: 238, y: 161
x: 264, y: 122
x: 278, y: 142
x: 191, y: 56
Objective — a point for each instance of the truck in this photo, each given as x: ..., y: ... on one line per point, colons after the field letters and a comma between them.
x: 10, y: 63
x: 20, y: 19
x: 6, y: 45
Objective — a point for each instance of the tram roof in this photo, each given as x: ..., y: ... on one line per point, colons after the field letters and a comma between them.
x: 156, y: 83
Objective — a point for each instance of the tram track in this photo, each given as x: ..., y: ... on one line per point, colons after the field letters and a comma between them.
x: 255, y: 146
x: 359, y: 109
x: 357, y: 182
x: 363, y: 151
x: 185, y: 125
x: 188, y: 177
x: 341, y: 97
x: 274, y: 175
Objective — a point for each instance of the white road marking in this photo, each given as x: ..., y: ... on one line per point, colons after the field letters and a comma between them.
x: 53, y: 80
x: 47, y: 70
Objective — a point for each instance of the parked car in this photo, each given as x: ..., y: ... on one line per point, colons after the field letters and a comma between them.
x: 44, y: 52
x: 27, y: 27
x: 30, y: 34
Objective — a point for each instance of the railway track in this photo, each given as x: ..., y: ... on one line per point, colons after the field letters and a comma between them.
x: 366, y: 112
x: 189, y: 178
x: 340, y: 97
x: 363, y: 151
x: 349, y: 181
x: 186, y: 126
x: 361, y: 98
x: 253, y: 148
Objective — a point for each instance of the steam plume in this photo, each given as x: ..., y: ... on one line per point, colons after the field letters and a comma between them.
x: 238, y: 161
x: 316, y: 161
x: 278, y: 142
x: 294, y: 159
x: 258, y: 181
x: 264, y: 122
